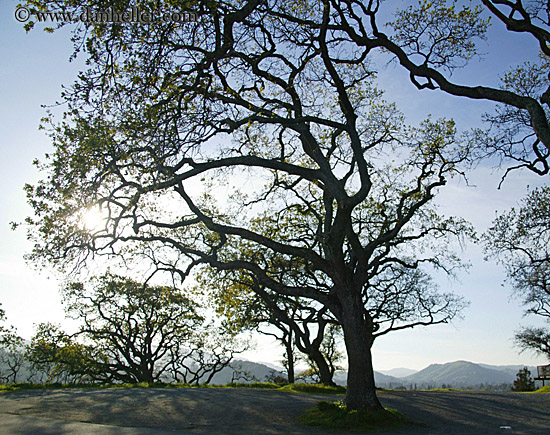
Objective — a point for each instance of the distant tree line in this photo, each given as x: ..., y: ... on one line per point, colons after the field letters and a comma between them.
x: 129, y: 332
x: 430, y: 386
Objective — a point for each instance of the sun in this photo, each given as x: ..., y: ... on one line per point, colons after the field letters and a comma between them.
x: 93, y: 219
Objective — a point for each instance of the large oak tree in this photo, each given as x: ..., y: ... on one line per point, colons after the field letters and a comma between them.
x: 190, y: 137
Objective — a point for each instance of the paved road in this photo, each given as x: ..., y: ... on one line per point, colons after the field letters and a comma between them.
x: 227, y: 411
x: 463, y: 412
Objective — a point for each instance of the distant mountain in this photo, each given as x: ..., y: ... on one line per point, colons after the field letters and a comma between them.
x: 513, y: 369
x: 459, y: 374
x: 399, y: 372
x: 380, y: 379
x: 271, y: 366
x: 250, y: 371
x: 340, y: 377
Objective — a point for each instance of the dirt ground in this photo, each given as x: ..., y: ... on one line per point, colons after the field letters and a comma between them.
x: 247, y: 411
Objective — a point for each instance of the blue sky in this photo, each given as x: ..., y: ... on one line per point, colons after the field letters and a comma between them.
x: 35, y: 65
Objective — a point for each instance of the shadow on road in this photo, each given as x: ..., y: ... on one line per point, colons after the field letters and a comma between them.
x: 237, y: 411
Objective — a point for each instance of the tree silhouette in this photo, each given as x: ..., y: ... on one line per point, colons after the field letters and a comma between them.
x: 520, y: 239
x: 523, y: 381
x: 256, y: 138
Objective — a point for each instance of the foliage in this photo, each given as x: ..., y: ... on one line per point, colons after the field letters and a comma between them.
x: 130, y: 332
x: 137, y: 327
x: 432, y: 36
x: 524, y: 381
x: 335, y: 415
x: 439, y: 35
x: 256, y: 141
x: 520, y: 240
x: 510, y: 135
x: 517, y: 133
x: 56, y: 357
x: 12, y: 357
x: 534, y: 339
x: 5, y: 331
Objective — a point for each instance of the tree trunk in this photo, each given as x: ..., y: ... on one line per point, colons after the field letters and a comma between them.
x: 325, y: 375
x: 145, y: 372
x: 361, y: 391
x: 290, y: 359
x: 311, y: 349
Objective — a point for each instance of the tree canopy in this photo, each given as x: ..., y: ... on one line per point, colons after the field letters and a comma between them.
x: 524, y: 381
x: 55, y: 356
x: 135, y: 326
x: 256, y: 138
x: 131, y: 332
x: 11, y: 350
x: 520, y: 239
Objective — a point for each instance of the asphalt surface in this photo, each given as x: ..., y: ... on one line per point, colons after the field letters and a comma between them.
x: 248, y: 411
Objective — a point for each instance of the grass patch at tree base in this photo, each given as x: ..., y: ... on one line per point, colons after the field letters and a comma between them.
x: 313, y: 389
x: 335, y: 415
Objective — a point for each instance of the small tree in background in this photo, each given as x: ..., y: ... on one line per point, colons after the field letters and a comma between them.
x: 131, y: 332
x: 135, y: 325
x: 296, y: 323
x: 207, y: 352
x: 524, y: 381
x: 329, y: 350
x: 11, y: 351
x: 55, y: 356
